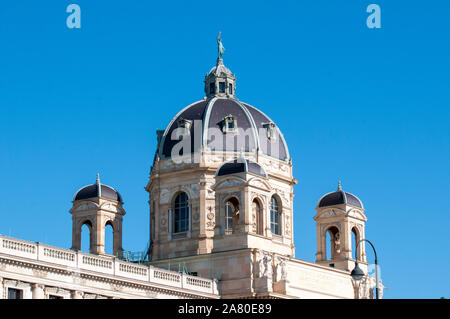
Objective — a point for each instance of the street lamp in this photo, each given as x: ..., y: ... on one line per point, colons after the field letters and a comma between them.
x: 357, y: 273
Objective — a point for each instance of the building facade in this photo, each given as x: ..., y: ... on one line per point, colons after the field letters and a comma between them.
x: 221, y: 192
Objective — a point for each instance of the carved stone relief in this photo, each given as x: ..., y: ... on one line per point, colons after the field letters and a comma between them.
x: 165, y: 195
x: 210, y: 216
x: 287, y: 230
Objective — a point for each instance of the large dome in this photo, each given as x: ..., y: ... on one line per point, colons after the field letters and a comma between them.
x: 222, y: 123
x: 253, y: 130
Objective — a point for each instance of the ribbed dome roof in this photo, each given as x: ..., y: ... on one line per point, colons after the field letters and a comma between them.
x: 97, y: 190
x: 220, y: 68
x: 241, y: 165
x: 252, y: 131
x: 339, y: 197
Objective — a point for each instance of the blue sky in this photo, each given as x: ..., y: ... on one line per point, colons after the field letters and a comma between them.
x: 369, y: 107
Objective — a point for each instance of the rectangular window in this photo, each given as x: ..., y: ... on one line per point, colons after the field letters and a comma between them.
x: 212, y: 88
x: 181, y: 219
x: 222, y: 87
x: 274, y: 223
x: 55, y: 297
x: 230, y: 88
x: 14, y: 293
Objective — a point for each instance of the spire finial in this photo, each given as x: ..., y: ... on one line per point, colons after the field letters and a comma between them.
x: 339, y: 186
x: 99, y: 186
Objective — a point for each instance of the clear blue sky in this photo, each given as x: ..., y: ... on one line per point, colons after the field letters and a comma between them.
x: 368, y: 107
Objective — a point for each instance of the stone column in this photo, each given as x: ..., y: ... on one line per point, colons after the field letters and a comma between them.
x: 319, y: 256
x: 203, y: 210
x: 117, y: 236
x: 246, y: 210
x: 347, y: 238
x: 76, y: 294
x: 99, y: 235
x: 37, y: 291
x: 2, y: 288
x: 76, y: 235
x: 27, y: 294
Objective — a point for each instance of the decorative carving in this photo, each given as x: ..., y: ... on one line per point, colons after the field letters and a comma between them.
x: 110, y: 207
x: 258, y: 183
x: 39, y: 273
x: 365, y: 287
x: 259, y: 264
x: 280, y: 271
x: 267, y: 261
x: 287, y: 230
x: 85, y: 206
x: 210, y: 194
x: 284, y: 197
x: 165, y: 194
x: 210, y: 225
x: 330, y: 213
x: 230, y: 182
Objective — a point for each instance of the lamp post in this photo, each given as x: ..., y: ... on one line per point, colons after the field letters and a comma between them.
x: 357, y: 273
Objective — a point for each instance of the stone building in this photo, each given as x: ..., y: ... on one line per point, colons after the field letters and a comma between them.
x: 221, y: 204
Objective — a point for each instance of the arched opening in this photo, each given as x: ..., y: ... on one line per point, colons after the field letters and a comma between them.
x: 333, y: 241
x: 86, y: 237
x: 231, y: 214
x: 275, y: 226
x: 258, y: 215
x: 109, y: 238
x: 181, y: 213
x: 355, y: 240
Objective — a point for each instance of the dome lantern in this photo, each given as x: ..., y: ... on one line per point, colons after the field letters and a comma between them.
x: 220, y: 81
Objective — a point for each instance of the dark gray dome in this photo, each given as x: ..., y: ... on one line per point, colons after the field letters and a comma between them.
x: 255, y: 131
x: 97, y: 190
x: 241, y: 165
x: 339, y: 197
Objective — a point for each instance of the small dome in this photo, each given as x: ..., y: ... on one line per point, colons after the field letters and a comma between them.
x: 97, y: 190
x: 339, y: 197
x: 219, y: 69
x: 241, y: 165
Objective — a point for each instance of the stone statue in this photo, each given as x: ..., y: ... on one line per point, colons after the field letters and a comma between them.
x: 260, y: 264
x: 365, y: 287
x: 267, y: 266
x: 280, y: 270
x: 221, y: 48
x: 283, y: 270
x: 337, y: 243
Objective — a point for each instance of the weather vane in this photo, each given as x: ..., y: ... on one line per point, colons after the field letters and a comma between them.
x: 221, y: 48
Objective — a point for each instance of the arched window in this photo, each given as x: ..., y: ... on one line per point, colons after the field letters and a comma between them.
x: 257, y: 214
x: 86, y: 241
x: 109, y: 238
x: 181, y: 213
x: 274, y: 216
x: 231, y: 214
x: 333, y: 240
x: 355, y: 239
